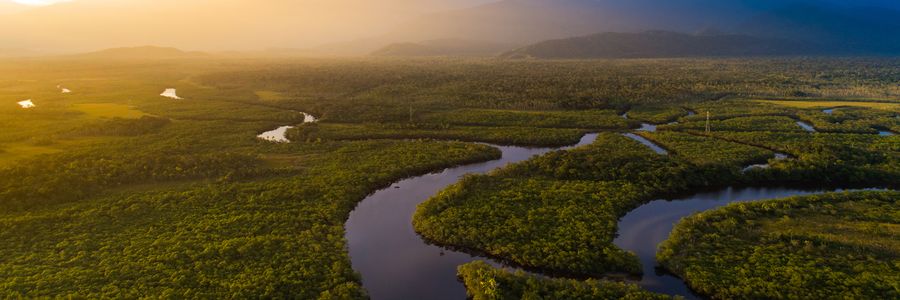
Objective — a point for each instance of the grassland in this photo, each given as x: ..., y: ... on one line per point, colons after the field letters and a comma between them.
x: 270, y: 96
x: 888, y: 106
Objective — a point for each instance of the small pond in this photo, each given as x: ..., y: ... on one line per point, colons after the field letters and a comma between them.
x: 279, y: 135
x: 26, y: 104
x: 170, y: 93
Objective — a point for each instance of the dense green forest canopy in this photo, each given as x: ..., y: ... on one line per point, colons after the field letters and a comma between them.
x: 385, y: 90
x: 116, y: 191
x: 487, y: 283
x: 843, y: 245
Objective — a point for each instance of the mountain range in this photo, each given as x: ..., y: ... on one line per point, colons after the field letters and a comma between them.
x: 662, y: 44
x: 143, y: 52
x: 447, y: 47
x: 833, y: 27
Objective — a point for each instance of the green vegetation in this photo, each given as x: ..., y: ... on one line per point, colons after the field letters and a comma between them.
x: 573, y: 216
x: 729, y: 109
x: 486, y: 283
x: 761, y: 123
x: 270, y: 237
x: 533, y: 213
x: 557, y: 212
x: 853, y: 120
x: 885, y: 105
x: 591, y: 119
x: 827, y: 158
x: 497, y: 135
x: 709, y: 152
x: 108, y: 110
x: 124, y: 127
x: 270, y: 96
x: 13, y: 153
x: 657, y: 114
x: 72, y: 177
x: 185, y: 203
x: 850, y: 117
x: 385, y: 90
x: 114, y: 191
x: 842, y: 245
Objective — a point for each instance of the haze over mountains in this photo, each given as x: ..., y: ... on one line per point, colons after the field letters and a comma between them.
x: 839, y: 27
x: 445, y: 27
x: 141, y: 52
x: 662, y: 44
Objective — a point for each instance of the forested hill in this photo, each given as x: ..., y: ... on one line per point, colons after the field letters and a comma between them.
x: 661, y: 44
x: 445, y: 47
x: 144, y: 52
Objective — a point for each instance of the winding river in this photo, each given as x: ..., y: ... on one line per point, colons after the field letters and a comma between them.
x: 644, y: 228
x: 395, y: 263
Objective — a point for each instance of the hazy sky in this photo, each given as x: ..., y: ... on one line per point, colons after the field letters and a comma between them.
x: 84, y: 25
x: 38, y: 2
x: 204, y: 24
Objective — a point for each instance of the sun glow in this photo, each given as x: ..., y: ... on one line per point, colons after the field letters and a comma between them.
x: 39, y: 2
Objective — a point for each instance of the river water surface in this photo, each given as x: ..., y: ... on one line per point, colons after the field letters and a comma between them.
x: 643, y: 229
x: 395, y: 263
x: 806, y: 126
x: 650, y: 144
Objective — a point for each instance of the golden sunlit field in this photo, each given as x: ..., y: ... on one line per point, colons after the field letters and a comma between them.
x: 823, y: 104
